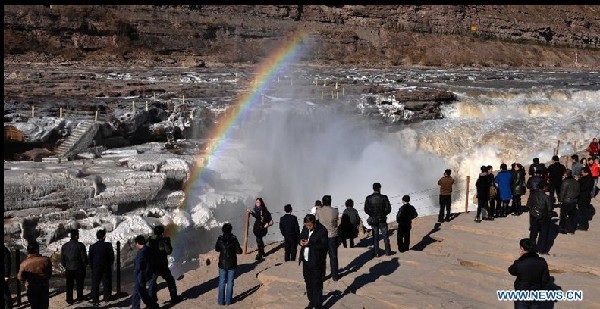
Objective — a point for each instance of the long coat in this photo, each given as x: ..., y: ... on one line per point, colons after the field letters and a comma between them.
x: 504, y: 180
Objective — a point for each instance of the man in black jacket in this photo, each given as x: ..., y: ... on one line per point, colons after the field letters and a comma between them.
x: 314, y: 243
x: 483, y: 193
x: 378, y: 206
x: 290, y: 230
x: 404, y: 217
x: 531, y: 271
x: 540, y: 207
x: 74, y: 259
x: 569, y: 192
x: 102, y: 257
x: 161, y: 247
x: 556, y: 171
x: 586, y: 183
x: 7, y: 296
x: 228, y: 247
x: 537, y: 168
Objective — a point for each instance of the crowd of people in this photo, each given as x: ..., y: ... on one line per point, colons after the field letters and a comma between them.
x: 323, y: 231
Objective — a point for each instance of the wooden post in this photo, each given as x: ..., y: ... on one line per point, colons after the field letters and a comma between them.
x: 146, y: 105
x: 96, y: 117
x: 182, y: 99
x: 246, y: 232
x: 557, y: 146
x: 467, y: 194
x: 154, y: 94
x: 343, y: 91
x: 324, y: 83
x: 32, y: 111
x: 337, y: 95
x: 336, y: 85
x: 322, y: 93
x: 118, y: 268
x: 60, y: 111
x: 332, y: 94
x: 17, y: 268
x: 133, y: 106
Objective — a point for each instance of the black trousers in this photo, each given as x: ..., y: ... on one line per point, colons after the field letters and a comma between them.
x: 516, y: 204
x: 584, y: 212
x: 7, y: 297
x: 568, y: 216
x: 75, y: 277
x: 261, y: 246
x: 403, y: 237
x: 481, y: 204
x: 538, y: 233
x: 290, y: 246
x: 445, y: 203
x: 165, y: 273
x: 314, y: 283
x: 104, y: 276
x: 345, y: 243
x: 38, y: 295
x: 492, y: 212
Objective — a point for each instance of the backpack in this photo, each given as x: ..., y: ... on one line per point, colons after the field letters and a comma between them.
x: 493, y: 192
x: 537, y: 211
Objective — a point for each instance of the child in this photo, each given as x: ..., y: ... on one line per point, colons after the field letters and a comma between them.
x: 354, y: 219
x: 228, y: 246
x: 288, y: 225
x: 405, y: 215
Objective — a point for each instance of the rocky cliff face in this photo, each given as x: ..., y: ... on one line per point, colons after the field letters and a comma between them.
x: 346, y: 34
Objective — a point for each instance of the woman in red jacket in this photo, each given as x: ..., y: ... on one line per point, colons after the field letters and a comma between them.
x: 595, y: 171
x: 593, y: 148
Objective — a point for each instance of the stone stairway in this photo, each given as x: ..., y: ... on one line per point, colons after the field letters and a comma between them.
x: 79, y: 140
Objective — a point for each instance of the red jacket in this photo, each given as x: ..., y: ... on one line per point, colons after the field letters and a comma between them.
x: 593, y: 148
x: 595, y: 169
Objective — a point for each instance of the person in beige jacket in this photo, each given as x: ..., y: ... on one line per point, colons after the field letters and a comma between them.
x: 445, y: 184
x: 328, y: 216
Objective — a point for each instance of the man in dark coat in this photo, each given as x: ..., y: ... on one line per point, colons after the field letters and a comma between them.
x: 161, y: 247
x: 7, y: 296
x: 537, y: 168
x: 531, y: 271
x: 290, y: 230
x: 143, y: 271
x: 74, y: 259
x: 569, y: 192
x: 101, y: 257
x: 540, y: 207
x: 586, y: 183
x: 556, y: 171
x: 483, y: 193
x: 228, y: 247
x: 404, y: 217
x: 314, y: 243
x: 378, y: 206
x: 445, y: 183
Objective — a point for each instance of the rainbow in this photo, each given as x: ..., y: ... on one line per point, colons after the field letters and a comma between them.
x: 267, y: 71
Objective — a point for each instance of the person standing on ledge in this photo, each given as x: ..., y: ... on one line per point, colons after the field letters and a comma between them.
x: 445, y: 184
x: 290, y: 230
x: 228, y: 247
x: 504, y: 181
x: 74, y: 259
x: 328, y: 216
x: 378, y: 206
x: 531, y: 271
x: 142, y: 266
x: 102, y: 258
x: 313, y: 242
x: 35, y: 271
x: 261, y: 225
x: 404, y: 217
x: 161, y: 247
x: 540, y: 207
x: 556, y: 172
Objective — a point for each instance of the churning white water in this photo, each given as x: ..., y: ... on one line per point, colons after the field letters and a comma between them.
x: 295, y: 151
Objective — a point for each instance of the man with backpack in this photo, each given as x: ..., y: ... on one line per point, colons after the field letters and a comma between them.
x: 161, y: 247
x: 540, y: 208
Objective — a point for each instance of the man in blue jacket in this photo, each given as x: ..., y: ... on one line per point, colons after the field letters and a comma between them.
x: 142, y: 266
x: 504, y: 181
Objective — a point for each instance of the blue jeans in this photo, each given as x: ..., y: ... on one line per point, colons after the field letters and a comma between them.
x: 386, y: 239
x: 140, y: 291
x: 224, y: 297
